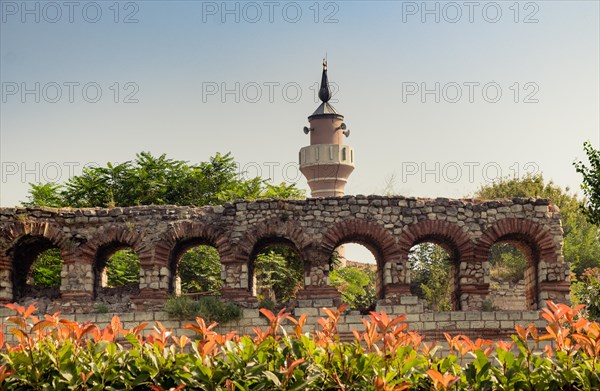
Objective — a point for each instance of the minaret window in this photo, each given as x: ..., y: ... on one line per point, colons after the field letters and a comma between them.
x: 331, y: 152
x: 317, y: 153
x: 343, y: 154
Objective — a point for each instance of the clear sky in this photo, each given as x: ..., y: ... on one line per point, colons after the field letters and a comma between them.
x: 441, y: 96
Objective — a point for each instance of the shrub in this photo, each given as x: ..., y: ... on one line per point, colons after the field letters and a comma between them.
x: 215, y: 310
x: 181, y: 307
x: 210, y: 308
x: 587, y: 292
x: 59, y: 354
x: 102, y: 308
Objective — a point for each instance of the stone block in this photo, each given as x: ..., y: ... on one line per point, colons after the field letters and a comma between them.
x: 531, y: 315
x: 514, y: 316
x: 307, y: 311
x: 488, y: 316
x: 409, y: 300
x: 441, y: 316
x: 457, y: 315
x: 472, y: 315
x: 143, y: 316
x: 501, y: 315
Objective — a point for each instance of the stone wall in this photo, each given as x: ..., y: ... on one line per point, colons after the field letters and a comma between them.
x: 388, y: 226
x: 508, y: 295
x: 498, y: 325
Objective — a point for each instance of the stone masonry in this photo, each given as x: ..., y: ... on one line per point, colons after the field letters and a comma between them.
x: 388, y: 226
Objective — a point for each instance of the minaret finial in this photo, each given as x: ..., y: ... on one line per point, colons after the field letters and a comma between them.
x: 324, y: 93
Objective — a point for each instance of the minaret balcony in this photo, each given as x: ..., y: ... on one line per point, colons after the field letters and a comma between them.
x: 322, y: 154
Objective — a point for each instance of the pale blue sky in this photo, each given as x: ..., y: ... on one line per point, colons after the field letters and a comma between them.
x: 375, y: 50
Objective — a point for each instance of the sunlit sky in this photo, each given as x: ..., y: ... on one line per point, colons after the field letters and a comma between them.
x: 440, y: 97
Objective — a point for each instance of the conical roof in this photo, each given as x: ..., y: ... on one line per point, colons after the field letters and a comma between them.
x: 325, y: 109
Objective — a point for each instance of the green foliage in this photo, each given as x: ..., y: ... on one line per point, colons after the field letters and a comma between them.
x: 587, y: 291
x: 430, y: 275
x: 507, y: 263
x: 102, y: 308
x: 150, y: 180
x: 123, y: 268
x: 591, y: 183
x: 44, y: 194
x: 45, y: 271
x: 209, y: 307
x: 215, y: 310
x: 200, y: 270
x: 181, y: 307
x: 269, y: 305
x: 487, y: 306
x: 60, y: 354
x: 279, y: 273
x: 581, y: 238
x: 282, y: 191
x: 357, y: 286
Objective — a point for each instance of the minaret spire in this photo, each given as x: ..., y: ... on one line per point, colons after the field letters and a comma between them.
x: 324, y: 92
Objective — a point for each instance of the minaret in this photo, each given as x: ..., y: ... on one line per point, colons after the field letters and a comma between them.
x: 326, y: 162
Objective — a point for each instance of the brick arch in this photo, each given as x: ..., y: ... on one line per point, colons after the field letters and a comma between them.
x: 274, y: 230
x: 88, y: 251
x: 450, y: 236
x: 189, y: 234
x: 24, y: 241
x: 539, y: 239
x: 535, y: 242
x: 373, y: 236
x: 183, y: 236
x: 94, y: 252
x: 16, y: 231
x: 370, y: 234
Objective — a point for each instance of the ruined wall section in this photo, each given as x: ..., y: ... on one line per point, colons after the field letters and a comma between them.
x: 389, y: 226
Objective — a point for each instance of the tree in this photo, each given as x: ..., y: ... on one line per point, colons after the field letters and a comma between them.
x: 581, y: 245
x: 44, y: 194
x: 150, y: 180
x: 200, y: 270
x: 356, y: 285
x: 591, y: 183
x: 507, y: 262
x: 45, y: 270
x: 123, y: 268
x: 279, y: 273
x: 430, y: 275
x: 587, y: 292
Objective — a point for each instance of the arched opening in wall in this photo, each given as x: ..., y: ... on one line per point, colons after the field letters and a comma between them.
x: 116, y: 275
x: 276, y: 272
x: 354, y: 274
x: 37, y: 265
x: 513, y: 275
x: 195, y: 269
x: 433, y: 275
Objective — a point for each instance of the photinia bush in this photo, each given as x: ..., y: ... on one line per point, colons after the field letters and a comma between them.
x: 53, y: 353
